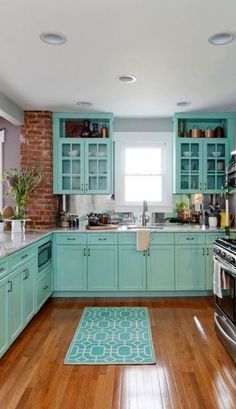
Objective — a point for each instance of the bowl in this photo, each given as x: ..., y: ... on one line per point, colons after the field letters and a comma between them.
x: 216, y: 153
x: 187, y: 153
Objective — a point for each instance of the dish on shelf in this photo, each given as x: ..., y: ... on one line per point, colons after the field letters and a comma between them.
x: 102, y: 154
x: 74, y: 153
x: 187, y: 153
x: 216, y: 153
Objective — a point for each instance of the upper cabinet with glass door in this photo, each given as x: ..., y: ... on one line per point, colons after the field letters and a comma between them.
x: 203, y: 143
x: 82, y: 153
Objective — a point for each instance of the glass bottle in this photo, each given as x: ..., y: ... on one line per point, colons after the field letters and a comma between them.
x: 104, y: 131
x: 86, y: 133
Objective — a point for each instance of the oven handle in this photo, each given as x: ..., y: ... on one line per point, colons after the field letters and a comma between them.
x: 216, y: 319
x: 226, y: 266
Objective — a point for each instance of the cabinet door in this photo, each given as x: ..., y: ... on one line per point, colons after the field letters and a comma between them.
x: 102, y: 268
x: 71, y: 268
x: 160, y: 268
x: 98, y: 166
x: 209, y: 267
x: 3, y: 317
x: 71, y: 171
x: 132, y: 269
x: 188, y: 165
x: 190, y: 267
x: 15, y: 304
x: 44, y: 287
x: 215, y: 157
x: 28, y: 277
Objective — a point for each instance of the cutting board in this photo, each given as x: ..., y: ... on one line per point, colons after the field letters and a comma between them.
x: 103, y: 227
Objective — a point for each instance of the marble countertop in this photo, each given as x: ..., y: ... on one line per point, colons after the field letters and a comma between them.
x: 11, y: 242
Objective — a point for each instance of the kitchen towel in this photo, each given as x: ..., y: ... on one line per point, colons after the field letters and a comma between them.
x: 143, y: 239
x: 217, y: 279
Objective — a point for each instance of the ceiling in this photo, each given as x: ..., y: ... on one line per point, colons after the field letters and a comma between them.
x: 163, y: 43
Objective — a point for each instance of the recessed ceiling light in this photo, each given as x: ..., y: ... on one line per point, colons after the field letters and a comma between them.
x: 84, y: 103
x: 221, y: 38
x: 53, y: 38
x: 127, y: 78
x: 183, y: 103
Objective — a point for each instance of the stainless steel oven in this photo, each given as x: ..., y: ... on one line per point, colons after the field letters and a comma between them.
x: 44, y: 255
x: 225, y: 295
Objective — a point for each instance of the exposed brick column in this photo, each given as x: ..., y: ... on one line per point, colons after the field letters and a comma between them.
x: 36, y: 150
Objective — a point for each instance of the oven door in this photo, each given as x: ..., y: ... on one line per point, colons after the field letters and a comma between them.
x: 227, y: 303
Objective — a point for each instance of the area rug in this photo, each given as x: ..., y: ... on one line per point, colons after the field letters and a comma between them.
x: 111, y: 336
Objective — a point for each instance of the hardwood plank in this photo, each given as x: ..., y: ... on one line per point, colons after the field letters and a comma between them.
x: 193, y: 370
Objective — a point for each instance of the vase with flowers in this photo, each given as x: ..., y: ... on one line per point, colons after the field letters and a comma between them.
x: 20, y: 182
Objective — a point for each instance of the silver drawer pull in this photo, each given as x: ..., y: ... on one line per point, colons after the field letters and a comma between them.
x: 24, y: 256
x: 45, y: 287
x: 189, y: 238
x: 2, y: 269
x: 71, y: 238
x: 102, y: 238
x: 26, y: 271
x: 9, y: 289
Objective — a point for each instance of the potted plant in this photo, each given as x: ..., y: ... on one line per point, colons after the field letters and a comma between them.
x: 20, y: 183
x: 182, y: 210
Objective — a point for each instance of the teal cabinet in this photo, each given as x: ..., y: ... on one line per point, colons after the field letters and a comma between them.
x: 102, y: 268
x: 190, y: 267
x: 44, y: 286
x: 71, y: 265
x: 160, y: 268
x: 3, y: 317
x: 15, y: 304
x: 28, y: 277
x: 200, y: 162
x: 81, y: 165
x: 132, y: 269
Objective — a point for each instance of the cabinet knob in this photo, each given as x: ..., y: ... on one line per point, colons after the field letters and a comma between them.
x: 45, y: 287
x: 203, y: 251
x: 2, y: 269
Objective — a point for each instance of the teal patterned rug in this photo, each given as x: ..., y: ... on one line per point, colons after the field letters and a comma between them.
x: 111, y: 336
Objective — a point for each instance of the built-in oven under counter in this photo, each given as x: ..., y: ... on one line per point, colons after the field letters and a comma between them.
x: 225, y: 300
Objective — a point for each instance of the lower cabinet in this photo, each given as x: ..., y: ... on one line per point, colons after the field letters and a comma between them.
x: 44, y: 286
x: 71, y: 267
x: 28, y: 277
x: 15, y: 304
x: 161, y: 268
x: 102, y: 268
x: 3, y: 316
x: 132, y: 269
x: 190, y: 267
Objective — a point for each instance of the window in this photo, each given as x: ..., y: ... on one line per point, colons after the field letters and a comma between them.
x: 143, y: 171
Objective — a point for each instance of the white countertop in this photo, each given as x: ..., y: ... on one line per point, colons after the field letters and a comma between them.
x: 10, y: 242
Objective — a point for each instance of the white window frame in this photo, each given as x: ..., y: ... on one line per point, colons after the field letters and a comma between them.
x: 149, y: 139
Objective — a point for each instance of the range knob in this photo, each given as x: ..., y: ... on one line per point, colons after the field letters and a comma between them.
x: 231, y: 259
x: 223, y: 254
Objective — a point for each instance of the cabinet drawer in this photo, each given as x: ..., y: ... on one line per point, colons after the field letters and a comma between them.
x: 44, y: 287
x: 21, y: 257
x: 190, y: 238
x: 127, y: 238
x: 211, y: 237
x: 71, y: 238
x: 162, y: 238
x: 101, y: 238
x: 3, y: 268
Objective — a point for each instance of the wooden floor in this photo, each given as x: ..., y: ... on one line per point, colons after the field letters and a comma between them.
x: 193, y: 369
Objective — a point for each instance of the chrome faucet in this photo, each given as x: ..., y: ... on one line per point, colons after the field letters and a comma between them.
x: 145, y: 209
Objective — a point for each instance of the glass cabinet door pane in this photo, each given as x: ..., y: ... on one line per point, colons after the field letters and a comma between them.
x: 66, y: 168
x: 76, y: 166
x: 66, y: 148
x: 66, y: 182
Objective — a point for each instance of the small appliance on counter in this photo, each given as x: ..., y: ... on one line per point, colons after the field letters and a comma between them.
x: 68, y: 220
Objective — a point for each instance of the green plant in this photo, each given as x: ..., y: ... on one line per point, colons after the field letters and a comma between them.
x: 20, y: 183
x: 181, y: 207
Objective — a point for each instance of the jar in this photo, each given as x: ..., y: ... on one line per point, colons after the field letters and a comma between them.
x: 209, y: 133
x: 196, y: 133
x: 104, y: 131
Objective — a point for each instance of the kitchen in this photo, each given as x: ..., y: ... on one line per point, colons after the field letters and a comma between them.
x: 192, y: 366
